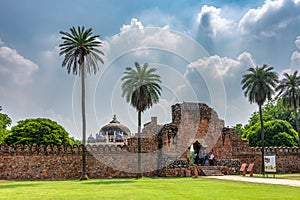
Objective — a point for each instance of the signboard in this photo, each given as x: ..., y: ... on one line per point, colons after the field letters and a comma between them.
x: 270, y: 163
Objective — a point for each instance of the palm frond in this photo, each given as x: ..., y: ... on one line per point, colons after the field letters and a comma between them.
x: 140, y: 86
x: 80, y: 46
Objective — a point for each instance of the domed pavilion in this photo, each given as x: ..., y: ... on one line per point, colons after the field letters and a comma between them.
x: 112, y: 133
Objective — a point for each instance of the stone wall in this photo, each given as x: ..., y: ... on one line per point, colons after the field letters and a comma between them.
x: 231, y: 146
x: 40, y: 162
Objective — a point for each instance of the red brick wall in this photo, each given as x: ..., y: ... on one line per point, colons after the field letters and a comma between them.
x: 287, y: 158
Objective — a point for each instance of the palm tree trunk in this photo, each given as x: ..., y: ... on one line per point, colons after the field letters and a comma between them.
x: 262, y: 141
x: 83, y: 175
x: 139, y: 174
x: 296, y: 120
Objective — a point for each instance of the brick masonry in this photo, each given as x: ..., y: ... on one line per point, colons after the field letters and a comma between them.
x: 165, y: 151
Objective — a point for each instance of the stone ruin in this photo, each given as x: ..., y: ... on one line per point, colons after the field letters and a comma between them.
x: 164, y: 151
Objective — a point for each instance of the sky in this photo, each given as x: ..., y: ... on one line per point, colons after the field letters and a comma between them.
x: 201, y: 49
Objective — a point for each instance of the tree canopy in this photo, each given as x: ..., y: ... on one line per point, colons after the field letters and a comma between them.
x: 289, y: 91
x: 38, y: 131
x: 277, y: 133
x: 272, y: 111
x: 5, y: 122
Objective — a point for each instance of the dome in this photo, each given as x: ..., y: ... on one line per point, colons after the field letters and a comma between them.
x: 100, y: 138
x: 119, y: 137
x: 115, y: 127
x: 91, y: 139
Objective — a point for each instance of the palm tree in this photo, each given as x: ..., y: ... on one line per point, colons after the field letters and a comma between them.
x: 258, y: 86
x: 81, y: 54
x: 289, y: 90
x: 141, y: 89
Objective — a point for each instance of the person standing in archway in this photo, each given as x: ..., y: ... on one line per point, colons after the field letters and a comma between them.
x: 211, y: 158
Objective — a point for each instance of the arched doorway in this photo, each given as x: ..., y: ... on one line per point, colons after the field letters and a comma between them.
x: 200, y: 155
x: 196, y: 147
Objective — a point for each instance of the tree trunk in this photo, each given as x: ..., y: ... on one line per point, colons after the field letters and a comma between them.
x: 139, y: 174
x: 262, y: 141
x: 83, y: 175
x: 296, y: 120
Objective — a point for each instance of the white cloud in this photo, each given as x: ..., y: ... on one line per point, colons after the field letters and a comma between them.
x: 14, y: 68
x: 134, y: 24
x: 288, y: 71
x: 210, y: 20
x: 229, y: 71
x: 297, y: 41
x: 269, y: 18
x: 295, y: 58
x: 223, y: 66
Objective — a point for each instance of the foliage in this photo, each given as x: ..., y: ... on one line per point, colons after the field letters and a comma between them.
x: 239, y: 129
x: 259, y: 84
x: 289, y: 91
x: 5, y: 122
x: 141, y: 88
x: 277, y: 133
x: 81, y: 47
x: 274, y: 109
x: 146, y: 188
x: 38, y: 131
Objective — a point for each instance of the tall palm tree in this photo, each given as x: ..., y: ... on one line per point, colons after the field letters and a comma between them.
x: 289, y: 90
x: 81, y: 54
x: 141, y: 88
x: 258, y: 86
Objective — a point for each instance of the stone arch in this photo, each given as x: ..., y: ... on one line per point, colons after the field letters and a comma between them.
x: 200, y: 151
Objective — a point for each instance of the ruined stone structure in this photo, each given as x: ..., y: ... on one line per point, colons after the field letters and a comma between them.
x: 165, y: 151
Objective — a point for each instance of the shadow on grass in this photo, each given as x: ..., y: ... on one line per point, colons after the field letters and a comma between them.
x: 108, y: 182
x: 16, y: 185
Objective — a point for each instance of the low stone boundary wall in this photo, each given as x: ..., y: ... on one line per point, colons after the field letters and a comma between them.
x: 65, y: 162
x: 287, y: 158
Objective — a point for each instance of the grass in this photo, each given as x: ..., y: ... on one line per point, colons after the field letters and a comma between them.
x: 281, y: 176
x: 145, y: 188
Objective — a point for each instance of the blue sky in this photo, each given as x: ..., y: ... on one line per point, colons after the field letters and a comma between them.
x: 201, y: 50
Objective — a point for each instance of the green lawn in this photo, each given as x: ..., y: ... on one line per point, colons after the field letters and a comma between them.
x: 281, y: 176
x: 146, y: 188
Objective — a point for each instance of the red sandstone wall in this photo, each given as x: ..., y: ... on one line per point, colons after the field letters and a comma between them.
x: 287, y: 158
x: 40, y: 162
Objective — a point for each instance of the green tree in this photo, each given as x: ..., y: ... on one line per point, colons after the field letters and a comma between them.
x: 239, y: 129
x: 289, y: 91
x: 141, y: 88
x: 258, y: 86
x: 38, y: 131
x: 81, y: 54
x: 5, y: 122
x: 277, y: 133
x: 274, y: 109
